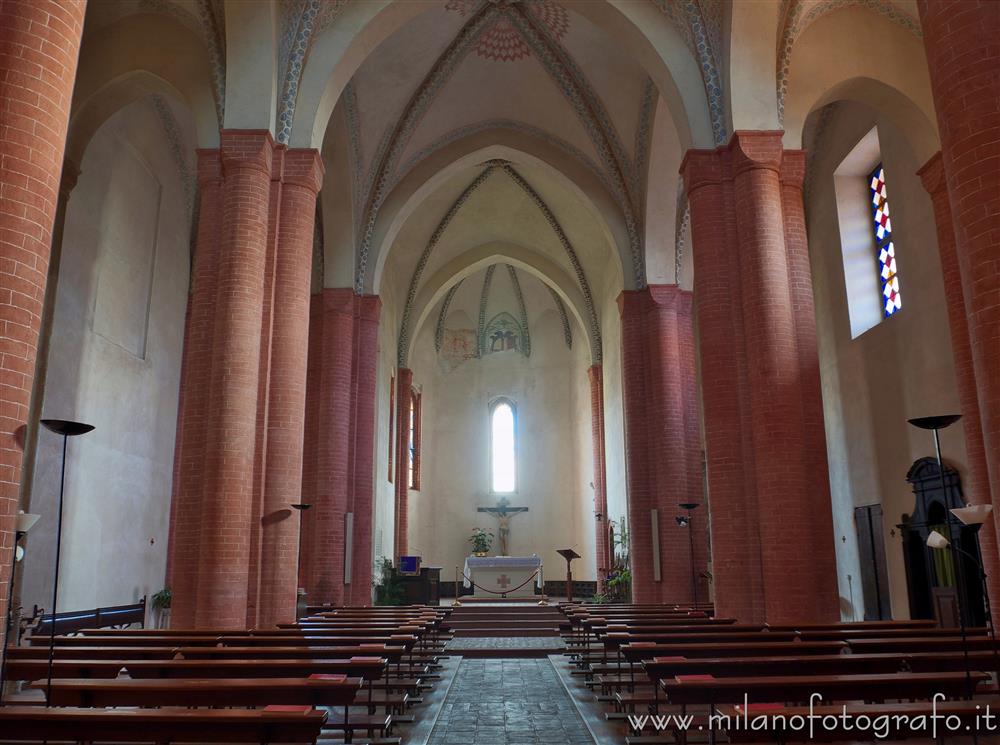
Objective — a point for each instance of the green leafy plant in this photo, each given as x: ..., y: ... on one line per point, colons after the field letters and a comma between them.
x: 481, y: 541
x: 162, y: 599
x: 388, y: 586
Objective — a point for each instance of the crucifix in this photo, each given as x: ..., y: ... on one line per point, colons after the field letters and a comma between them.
x: 503, y: 512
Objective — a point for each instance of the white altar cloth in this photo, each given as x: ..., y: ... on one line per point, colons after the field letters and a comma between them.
x: 502, y: 574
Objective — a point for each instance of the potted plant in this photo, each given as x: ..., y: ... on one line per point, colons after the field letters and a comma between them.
x: 481, y: 542
x: 161, y: 607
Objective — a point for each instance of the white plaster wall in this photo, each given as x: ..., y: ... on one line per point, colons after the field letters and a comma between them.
x: 614, y: 414
x: 115, y: 363
x: 555, y: 459
x: 899, y: 369
x: 383, y: 536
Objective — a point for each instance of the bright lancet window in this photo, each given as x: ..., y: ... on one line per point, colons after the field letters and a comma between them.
x: 891, y: 299
x: 503, y: 448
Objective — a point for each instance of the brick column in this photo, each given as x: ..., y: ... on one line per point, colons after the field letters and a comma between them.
x: 303, y: 174
x: 195, y: 390
x: 824, y: 559
x: 39, y: 47
x: 404, y: 393
x: 736, y: 562
x: 332, y: 404
x: 963, y: 57
x: 662, y: 447
x: 223, y: 571
x: 362, y: 492
x: 601, y: 548
x: 771, y: 514
x: 977, y: 486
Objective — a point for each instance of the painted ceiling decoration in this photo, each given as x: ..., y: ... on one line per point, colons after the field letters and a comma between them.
x: 795, y: 16
x: 213, y: 25
x: 301, y: 21
x: 490, y: 168
x: 563, y: 317
x: 172, y: 131
x: 682, y: 216
x: 501, y: 42
x: 443, y: 315
x: 700, y: 25
x: 526, y: 337
x: 619, y: 171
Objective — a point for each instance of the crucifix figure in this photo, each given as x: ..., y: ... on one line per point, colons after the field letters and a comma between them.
x: 503, y: 512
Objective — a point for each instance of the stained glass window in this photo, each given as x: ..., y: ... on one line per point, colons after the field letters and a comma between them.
x: 891, y: 298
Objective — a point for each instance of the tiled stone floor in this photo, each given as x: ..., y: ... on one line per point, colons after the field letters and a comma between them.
x: 508, y: 702
x: 504, y: 642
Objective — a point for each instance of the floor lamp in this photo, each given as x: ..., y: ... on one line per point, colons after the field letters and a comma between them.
x: 973, y: 516
x: 67, y: 429
x: 23, y: 522
x: 935, y: 540
x: 688, y: 522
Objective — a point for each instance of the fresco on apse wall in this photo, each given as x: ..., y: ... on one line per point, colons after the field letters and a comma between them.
x: 458, y: 345
x: 502, y: 334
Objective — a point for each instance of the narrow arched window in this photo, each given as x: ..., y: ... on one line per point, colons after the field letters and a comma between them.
x: 503, y: 447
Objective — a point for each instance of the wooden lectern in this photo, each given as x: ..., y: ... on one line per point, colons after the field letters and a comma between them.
x: 568, y: 554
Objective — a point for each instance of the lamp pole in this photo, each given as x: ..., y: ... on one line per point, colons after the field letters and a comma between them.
x: 67, y: 429
x: 690, y: 507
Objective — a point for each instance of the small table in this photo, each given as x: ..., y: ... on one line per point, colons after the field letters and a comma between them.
x: 502, y: 575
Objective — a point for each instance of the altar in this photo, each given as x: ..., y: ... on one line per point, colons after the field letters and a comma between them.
x: 501, y: 575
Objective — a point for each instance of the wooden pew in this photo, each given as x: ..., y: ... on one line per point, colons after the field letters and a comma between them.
x: 161, y: 726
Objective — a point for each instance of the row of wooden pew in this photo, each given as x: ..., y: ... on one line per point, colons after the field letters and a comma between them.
x: 344, y: 673
x: 646, y: 661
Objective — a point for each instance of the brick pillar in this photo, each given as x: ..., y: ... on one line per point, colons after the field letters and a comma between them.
x: 662, y: 447
x: 303, y: 174
x: 777, y: 392
x: 963, y: 58
x: 192, y: 415
x: 362, y: 492
x: 736, y: 567
x: 310, y: 455
x: 638, y: 468
x: 773, y: 556
x: 256, y: 526
x: 404, y: 393
x: 223, y: 571
x: 602, y: 550
x: 324, y: 554
x: 977, y: 485
x: 39, y: 47
x: 824, y: 559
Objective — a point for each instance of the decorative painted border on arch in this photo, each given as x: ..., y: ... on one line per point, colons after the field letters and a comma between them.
x: 483, y: 297
x: 563, y: 317
x: 523, y: 311
x: 795, y: 19
x: 443, y: 316
x: 172, y: 131
x: 403, y: 346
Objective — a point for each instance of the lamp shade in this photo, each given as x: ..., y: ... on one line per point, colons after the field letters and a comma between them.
x: 24, y: 521
x: 973, y: 514
x: 688, y: 505
x: 66, y: 427
x: 935, y: 422
x: 936, y: 540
